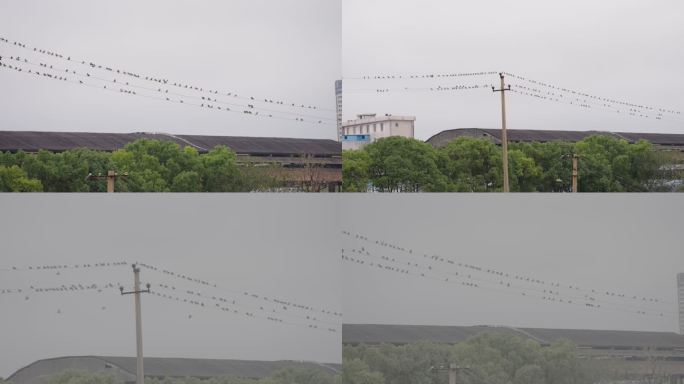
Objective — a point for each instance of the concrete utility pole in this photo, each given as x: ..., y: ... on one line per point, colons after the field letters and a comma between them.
x: 504, y: 137
x: 110, y: 177
x: 575, y: 171
x: 140, y: 373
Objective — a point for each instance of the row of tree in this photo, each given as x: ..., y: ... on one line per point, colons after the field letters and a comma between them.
x: 284, y: 376
x: 490, y: 358
x: 150, y: 165
x: 398, y: 164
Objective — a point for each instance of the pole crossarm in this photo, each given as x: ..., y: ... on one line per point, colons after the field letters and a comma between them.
x: 111, y: 177
x: 453, y: 369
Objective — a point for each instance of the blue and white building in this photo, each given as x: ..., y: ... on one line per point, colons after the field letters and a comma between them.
x: 369, y: 127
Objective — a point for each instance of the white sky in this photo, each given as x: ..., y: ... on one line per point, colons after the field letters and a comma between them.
x: 275, y: 247
x: 612, y: 242
x: 629, y: 50
x: 278, y: 49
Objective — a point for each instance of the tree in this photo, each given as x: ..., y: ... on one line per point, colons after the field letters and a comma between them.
x: 529, y: 374
x: 471, y: 165
x: 219, y: 171
x: 356, y: 371
x: 303, y: 376
x: 524, y: 174
x: 313, y: 178
x: 187, y: 181
x: 611, y: 165
x: 355, y: 176
x: 146, y: 161
x: 491, y: 357
x: 562, y: 365
x: 556, y: 171
x: 82, y: 377
x: 399, y: 164
x: 14, y: 179
x: 65, y: 171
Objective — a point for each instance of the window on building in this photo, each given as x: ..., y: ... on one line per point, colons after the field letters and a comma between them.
x: 382, y: 127
x: 396, y: 124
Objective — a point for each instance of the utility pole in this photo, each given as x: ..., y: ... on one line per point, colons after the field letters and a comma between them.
x: 575, y: 171
x: 504, y: 137
x: 140, y: 373
x: 110, y: 177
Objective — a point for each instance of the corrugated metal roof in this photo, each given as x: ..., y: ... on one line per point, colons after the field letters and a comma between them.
x: 531, y: 135
x: 125, y: 367
x: 32, y: 141
x: 617, y: 339
x: 179, y: 367
x: 401, y: 334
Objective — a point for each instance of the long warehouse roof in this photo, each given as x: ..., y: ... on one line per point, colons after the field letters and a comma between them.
x: 531, y: 135
x: 32, y: 141
x: 37, y: 371
x: 402, y: 334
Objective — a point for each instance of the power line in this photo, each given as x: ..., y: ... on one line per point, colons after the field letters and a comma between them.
x: 587, y: 303
x: 313, y: 312
x: 65, y: 266
x: 124, y: 89
x: 438, y: 88
x: 594, y: 97
x: 179, y: 297
x: 468, y: 279
x: 588, y: 104
x: 178, y: 300
x: 500, y: 273
x: 254, y: 295
x: 156, y: 79
x: 553, y: 93
x: 233, y: 305
x: 438, y: 75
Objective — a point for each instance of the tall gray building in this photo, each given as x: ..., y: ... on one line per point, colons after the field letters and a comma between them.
x: 338, y: 107
x: 680, y: 297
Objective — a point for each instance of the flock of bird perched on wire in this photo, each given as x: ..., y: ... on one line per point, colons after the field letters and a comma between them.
x: 390, y: 257
x: 522, y: 85
x: 189, y: 291
x: 61, y: 67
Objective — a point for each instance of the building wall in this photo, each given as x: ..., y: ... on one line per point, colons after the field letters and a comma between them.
x: 338, y: 107
x: 377, y: 128
x: 354, y: 142
x: 680, y: 297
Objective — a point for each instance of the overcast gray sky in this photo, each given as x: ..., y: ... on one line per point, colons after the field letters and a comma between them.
x: 274, y: 247
x: 617, y: 243
x: 629, y: 50
x: 277, y: 49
